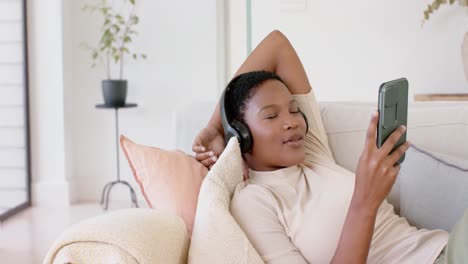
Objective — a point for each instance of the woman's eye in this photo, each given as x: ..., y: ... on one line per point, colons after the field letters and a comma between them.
x: 270, y: 117
x: 295, y: 111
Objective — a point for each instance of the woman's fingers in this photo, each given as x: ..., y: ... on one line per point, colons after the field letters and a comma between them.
x: 204, y: 155
x: 397, y: 169
x: 392, y: 140
x: 397, y: 153
x: 209, y: 161
x: 198, y: 148
x: 371, y: 135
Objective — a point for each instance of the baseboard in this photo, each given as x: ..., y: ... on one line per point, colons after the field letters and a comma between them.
x: 51, y: 194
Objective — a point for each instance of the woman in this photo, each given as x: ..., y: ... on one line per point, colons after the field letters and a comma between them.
x: 298, y: 205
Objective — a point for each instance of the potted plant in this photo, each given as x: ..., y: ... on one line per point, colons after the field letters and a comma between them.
x: 117, y: 33
x: 434, y: 6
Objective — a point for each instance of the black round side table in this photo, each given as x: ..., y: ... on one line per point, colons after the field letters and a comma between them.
x: 108, y: 186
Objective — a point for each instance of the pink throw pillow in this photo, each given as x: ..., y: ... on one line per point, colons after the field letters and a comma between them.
x: 169, y: 180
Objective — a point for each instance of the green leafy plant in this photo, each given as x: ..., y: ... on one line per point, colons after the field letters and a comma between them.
x: 117, y: 33
x: 434, y: 6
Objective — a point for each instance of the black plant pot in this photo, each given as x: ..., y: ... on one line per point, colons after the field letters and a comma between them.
x: 114, y: 92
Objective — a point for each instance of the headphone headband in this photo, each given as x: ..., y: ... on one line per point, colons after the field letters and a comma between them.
x: 234, y: 128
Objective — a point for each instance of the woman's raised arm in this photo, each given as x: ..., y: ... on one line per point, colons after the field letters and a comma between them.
x: 276, y: 54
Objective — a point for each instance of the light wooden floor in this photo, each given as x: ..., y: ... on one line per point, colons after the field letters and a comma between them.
x: 26, y: 237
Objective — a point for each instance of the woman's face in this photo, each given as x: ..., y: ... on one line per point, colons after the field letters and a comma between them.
x: 277, y: 127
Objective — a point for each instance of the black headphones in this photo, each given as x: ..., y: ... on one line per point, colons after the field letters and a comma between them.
x: 236, y: 128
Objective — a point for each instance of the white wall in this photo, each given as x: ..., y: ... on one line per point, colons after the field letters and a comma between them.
x: 347, y: 51
x: 236, y: 36
x: 73, y: 143
x: 349, y: 48
x: 46, y: 90
x: 180, y: 39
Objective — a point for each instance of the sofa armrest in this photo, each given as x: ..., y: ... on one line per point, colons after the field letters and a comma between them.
x: 123, y: 236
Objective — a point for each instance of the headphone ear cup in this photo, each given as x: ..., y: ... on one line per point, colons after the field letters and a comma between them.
x: 246, y: 140
x: 230, y: 132
x: 306, y: 121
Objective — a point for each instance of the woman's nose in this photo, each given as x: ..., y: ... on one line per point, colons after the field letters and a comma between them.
x: 291, y: 123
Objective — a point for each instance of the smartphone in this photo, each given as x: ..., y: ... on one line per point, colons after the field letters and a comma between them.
x: 393, y: 111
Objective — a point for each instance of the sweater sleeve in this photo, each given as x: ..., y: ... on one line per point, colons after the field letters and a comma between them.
x: 316, y: 140
x: 255, y: 210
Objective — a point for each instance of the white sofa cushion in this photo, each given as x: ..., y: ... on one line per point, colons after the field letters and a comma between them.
x: 216, y: 237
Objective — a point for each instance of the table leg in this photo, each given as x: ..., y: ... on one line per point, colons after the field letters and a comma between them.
x: 107, y: 188
x: 107, y: 194
x: 104, y: 190
x: 117, y: 142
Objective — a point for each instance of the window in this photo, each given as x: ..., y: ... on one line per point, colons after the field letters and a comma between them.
x: 15, y: 193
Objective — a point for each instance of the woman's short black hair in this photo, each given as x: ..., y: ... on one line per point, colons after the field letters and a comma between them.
x: 242, y: 88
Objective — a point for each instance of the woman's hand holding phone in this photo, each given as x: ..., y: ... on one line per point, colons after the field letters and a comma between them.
x: 376, y: 171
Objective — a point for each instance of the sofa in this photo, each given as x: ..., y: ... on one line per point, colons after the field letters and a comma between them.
x: 436, y: 128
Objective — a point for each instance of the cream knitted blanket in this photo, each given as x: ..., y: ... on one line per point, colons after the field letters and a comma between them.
x: 123, y: 236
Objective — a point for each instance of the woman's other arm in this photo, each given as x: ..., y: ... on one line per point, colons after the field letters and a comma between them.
x: 375, y: 176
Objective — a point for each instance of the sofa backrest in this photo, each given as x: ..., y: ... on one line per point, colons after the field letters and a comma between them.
x: 189, y: 120
x: 440, y: 127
